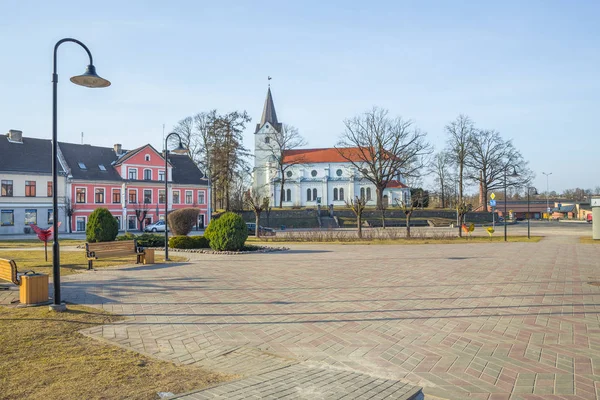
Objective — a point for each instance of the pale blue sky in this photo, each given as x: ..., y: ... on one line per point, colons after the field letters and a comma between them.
x: 527, y: 69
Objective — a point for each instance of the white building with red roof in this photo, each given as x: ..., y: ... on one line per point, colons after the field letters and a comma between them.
x: 316, y: 176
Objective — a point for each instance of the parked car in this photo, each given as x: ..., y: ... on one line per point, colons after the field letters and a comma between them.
x: 264, y: 231
x: 155, y: 227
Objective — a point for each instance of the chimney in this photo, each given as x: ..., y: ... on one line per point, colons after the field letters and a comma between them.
x: 117, y: 148
x: 15, y: 136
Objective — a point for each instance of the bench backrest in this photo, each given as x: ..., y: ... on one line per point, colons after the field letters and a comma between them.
x: 111, y: 249
x: 8, y: 271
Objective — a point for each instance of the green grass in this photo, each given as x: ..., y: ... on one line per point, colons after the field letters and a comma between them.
x: 45, y: 357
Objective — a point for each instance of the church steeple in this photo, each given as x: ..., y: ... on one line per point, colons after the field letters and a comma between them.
x: 269, y: 115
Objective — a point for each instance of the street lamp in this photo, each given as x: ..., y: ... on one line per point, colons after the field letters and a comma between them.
x: 547, y: 192
x: 528, y: 213
x: 88, y: 79
x: 179, y: 148
x: 514, y: 174
x: 208, y: 174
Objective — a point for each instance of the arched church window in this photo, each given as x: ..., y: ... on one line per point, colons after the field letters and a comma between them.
x: 267, y: 139
x: 362, y: 193
x: 288, y: 195
x: 314, y: 194
x: 368, y: 194
x: 308, y: 193
x: 335, y: 194
x: 341, y: 196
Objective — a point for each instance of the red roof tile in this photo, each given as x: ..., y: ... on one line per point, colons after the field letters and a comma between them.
x: 396, y: 184
x: 330, y: 154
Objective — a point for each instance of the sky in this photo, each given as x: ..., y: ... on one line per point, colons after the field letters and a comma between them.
x: 528, y: 69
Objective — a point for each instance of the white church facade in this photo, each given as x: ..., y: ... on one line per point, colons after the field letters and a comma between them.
x: 315, y: 176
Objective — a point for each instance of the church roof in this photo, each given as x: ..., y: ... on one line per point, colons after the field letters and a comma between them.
x: 269, y: 115
x: 329, y: 154
x: 396, y: 184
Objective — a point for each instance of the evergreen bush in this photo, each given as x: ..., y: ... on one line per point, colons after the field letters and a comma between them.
x: 188, y: 242
x: 151, y: 240
x: 228, y: 232
x: 182, y: 221
x: 101, y: 226
x: 126, y: 236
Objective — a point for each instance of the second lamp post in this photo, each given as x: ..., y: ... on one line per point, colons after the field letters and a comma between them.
x: 179, y: 148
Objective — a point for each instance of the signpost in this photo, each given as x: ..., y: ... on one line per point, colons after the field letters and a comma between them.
x: 493, y: 205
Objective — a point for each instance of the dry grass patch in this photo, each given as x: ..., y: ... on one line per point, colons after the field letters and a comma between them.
x: 29, y: 243
x: 588, y: 240
x: 71, y: 262
x: 45, y: 357
x: 306, y: 239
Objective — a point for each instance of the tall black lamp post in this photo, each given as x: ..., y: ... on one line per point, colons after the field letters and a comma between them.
x: 528, y: 212
x: 514, y: 174
x: 88, y: 79
x: 179, y: 148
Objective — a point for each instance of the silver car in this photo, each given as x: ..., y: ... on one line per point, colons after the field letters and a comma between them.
x: 156, y: 227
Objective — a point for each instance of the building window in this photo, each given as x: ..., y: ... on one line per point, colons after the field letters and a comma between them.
x: 80, y: 224
x: 341, y: 194
x: 362, y: 193
x: 288, y: 195
x: 200, y: 197
x: 7, y: 218
x: 308, y: 194
x: 30, y: 217
x: 368, y: 194
x: 147, y: 196
x: 289, y: 174
x: 116, y: 196
x: 132, y: 174
x: 131, y: 222
x: 50, y: 216
x: 313, y: 173
x: 29, y: 188
x: 161, y: 196
x: 99, y: 195
x: 132, y: 196
x: 80, y: 195
x: 161, y: 176
x: 189, y: 198
x: 267, y: 139
x: 147, y: 157
x: 81, y: 165
x: 101, y: 167
x: 314, y: 194
x: 176, y: 197
x: 118, y: 218
x: 49, y: 189
x: 335, y: 194
x: 338, y: 172
x: 147, y: 174
x: 7, y: 188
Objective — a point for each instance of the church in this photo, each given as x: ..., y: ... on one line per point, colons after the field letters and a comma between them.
x: 318, y: 176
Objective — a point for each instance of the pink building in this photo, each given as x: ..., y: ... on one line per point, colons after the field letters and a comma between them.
x: 130, y: 184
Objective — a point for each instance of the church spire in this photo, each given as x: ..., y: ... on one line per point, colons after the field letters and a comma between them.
x: 269, y: 115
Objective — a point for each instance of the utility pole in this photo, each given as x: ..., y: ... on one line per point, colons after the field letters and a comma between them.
x: 547, y: 194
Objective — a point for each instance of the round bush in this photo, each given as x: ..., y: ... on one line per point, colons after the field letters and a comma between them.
x: 228, y: 232
x: 182, y: 221
x: 101, y: 226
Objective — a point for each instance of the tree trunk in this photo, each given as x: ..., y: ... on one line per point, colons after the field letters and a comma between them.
x: 408, y: 224
x: 46, y: 250
x: 257, y: 220
x: 380, y: 206
x: 281, y: 195
x: 443, y: 196
x: 359, y: 225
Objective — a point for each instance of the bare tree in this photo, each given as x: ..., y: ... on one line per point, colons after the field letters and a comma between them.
x: 276, y: 145
x: 460, y: 134
x: 257, y: 205
x: 440, y: 168
x: 357, y: 205
x: 141, y: 210
x: 383, y: 149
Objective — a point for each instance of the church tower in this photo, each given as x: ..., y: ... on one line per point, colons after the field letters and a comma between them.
x: 263, y: 168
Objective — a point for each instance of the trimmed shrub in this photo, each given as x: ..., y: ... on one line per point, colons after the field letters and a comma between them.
x: 101, y: 226
x: 188, y: 242
x: 228, y: 232
x: 126, y: 236
x: 182, y: 221
x: 151, y: 240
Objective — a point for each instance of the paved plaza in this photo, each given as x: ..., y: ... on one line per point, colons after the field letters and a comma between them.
x: 485, y: 321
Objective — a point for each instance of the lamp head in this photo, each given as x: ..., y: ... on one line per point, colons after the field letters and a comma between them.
x: 514, y: 173
x: 90, y: 79
x: 180, y: 149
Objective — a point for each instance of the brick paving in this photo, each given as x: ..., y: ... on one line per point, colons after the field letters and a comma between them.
x: 486, y: 321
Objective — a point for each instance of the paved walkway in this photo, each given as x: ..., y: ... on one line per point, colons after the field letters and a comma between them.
x: 489, y: 321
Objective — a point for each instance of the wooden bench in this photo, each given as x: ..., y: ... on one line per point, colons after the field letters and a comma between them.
x: 102, y: 250
x: 8, y: 271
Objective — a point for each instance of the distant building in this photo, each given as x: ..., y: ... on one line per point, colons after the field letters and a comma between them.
x: 323, y: 177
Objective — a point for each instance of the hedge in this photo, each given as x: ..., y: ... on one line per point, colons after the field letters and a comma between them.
x: 189, y: 242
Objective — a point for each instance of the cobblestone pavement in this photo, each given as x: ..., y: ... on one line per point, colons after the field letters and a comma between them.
x: 489, y: 321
